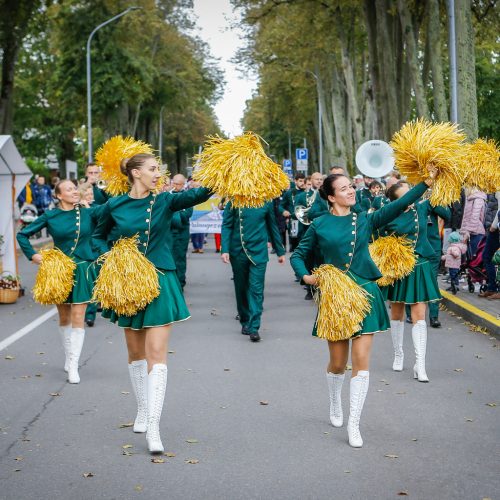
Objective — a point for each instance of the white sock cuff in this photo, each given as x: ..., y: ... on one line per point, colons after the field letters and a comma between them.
x: 363, y: 373
x: 139, y: 362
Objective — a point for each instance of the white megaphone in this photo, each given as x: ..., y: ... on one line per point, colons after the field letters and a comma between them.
x: 375, y: 158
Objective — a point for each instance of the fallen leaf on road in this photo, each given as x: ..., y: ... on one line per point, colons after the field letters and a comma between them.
x: 127, y: 453
x: 38, y: 375
x: 469, y: 392
x: 125, y: 392
x: 478, y: 356
x: 383, y: 380
x: 214, y: 312
x: 402, y: 493
x: 25, y: 376
x: 41, y: 352
x: 17, y: 470
x: 227, y: 369
x: 380, y: 390
x: 389, y: 455
x: 469, y: 419
x: 158, y: 460
x: 191, y: 441
x: 458, y: 369
x: 55, y: 394
x: 171, y: 352
x: 264, y: 403
x: 347, y: 471
x: 88, y: 474
x: 191, y: 461
x: 169, y: 454
x: 326, y: 432
x: 402, y: 392
x: 128, y: 424
x: 492, y: 405
x: 138, y: 487
x: 414, y: 439
x: 18, y: 459
x: 25, y: 439
x: 127, y: 446
x: 9, y: 358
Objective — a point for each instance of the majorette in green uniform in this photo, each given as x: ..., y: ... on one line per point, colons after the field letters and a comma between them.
x: 180, y: 234
x: 148, y: 215
x: 244, y: 236
x: 342, y: 238
x: 71, y: 228
x: 416, y: 289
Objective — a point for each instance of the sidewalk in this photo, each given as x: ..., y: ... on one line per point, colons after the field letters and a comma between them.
x: 478, y: 311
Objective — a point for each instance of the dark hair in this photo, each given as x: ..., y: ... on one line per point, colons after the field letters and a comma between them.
x: 91, y: 164
x: 57, y: 187
x: 375, y: 183
x: 327, y: 188
x: 299, y: 175
x: 136, y: 161
x: 391, y: 192
x: 337, y: 167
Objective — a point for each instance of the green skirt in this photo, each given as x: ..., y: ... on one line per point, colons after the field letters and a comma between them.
x: 169, y: 307
x: 377, y: 320
x: 419, y: 286
x: 83, y: 287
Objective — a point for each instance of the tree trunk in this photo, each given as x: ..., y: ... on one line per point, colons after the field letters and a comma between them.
x: 10, y: 52
x: 338, y: 114
x: 466, y: 69
x: 412, y: 55
x: 328, y: 134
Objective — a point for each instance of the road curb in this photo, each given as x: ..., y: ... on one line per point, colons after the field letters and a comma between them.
x: 472, y: 313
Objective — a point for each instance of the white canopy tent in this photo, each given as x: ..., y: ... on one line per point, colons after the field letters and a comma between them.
x: 14, y: 174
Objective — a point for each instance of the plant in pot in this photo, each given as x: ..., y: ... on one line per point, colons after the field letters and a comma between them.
x: 9, y: 288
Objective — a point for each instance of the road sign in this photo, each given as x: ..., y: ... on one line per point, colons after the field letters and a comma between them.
x: 302, y: 166
x: 287, y: 164
x: 301, y: 154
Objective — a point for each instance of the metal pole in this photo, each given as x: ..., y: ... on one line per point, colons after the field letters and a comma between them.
x: 160, y: 133
x: 289, y: 146
x: 90, y: 151
x: 452, y: 48
x: 320, y: 133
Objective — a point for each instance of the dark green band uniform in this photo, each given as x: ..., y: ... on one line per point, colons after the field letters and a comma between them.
x: 71, y: 231
x: 244, y: 236
x: 421, y: 284
x: 150, y: 218
x: 343, y: 242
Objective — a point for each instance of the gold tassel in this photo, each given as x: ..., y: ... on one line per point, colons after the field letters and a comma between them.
x: 55, y: 278
x: 109, y: 157
x: 483, y: 165
x: 239, y: 170
x: 394, y: 256
x: 421, y: 143
x: 343, y: 304
x: 128, y: 281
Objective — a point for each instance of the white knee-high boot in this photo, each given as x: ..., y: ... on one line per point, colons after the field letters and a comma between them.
x: 77, y: 337
x: 397, y: 334
x: 359, y: 388
x: 419, y: 336
x: 65, y: 332
x: 157, y: 385
x: 138, y: 371
x: 335, y: 382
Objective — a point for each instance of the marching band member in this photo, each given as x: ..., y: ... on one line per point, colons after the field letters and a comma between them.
x: 342, y: 238
x: 245, y: 233
x: 420, y: 286
x: 287, y: 206
x: 149, y: 215
x: 71, y: 228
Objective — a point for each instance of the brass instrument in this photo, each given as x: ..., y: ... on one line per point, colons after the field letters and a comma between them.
x: 101, y: 184
x: 301, y: 211
x: 375, y: 158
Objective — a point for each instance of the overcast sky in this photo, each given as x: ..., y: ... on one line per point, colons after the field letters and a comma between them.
x: 214, y: 18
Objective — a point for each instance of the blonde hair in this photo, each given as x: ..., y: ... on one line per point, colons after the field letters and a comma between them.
x: 83, y: 188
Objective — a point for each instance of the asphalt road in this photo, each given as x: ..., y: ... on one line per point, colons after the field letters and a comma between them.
x: 425, y: 441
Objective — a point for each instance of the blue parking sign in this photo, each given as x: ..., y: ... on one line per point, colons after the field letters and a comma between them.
x: 287, y: 164
x: 301, y: 154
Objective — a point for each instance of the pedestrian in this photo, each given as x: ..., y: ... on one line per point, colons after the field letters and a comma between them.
x: 416, y: 289
x: 245, y: 233
x: 453, y: 259
x: 42, y: 195
x: 492, y: 244
x: 146, y: 214
x: 473, y: 218
x: 71, y: 228
x: 180, y: 231
x: 342, y: 238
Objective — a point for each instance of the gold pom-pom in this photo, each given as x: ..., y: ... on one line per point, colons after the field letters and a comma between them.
x: 55, y: 278
x: 127, y: 281
x: 109, y: 157
x: 239, y: 170
x: 420, y: 144
x: 394, y: 256
x: 482, y: 162
x: 343, y: 304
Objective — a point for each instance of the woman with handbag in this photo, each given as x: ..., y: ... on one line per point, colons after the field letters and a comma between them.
x: 342, y: 238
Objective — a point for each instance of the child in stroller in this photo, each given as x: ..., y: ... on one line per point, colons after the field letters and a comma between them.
x: 473, y: 267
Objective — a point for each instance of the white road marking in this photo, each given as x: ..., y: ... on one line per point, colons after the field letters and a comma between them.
x: 28, y: 328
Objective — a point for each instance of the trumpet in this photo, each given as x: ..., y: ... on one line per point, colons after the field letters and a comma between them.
x: 101, y: 184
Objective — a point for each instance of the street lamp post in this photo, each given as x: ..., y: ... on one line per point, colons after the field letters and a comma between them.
x: 89, y: 94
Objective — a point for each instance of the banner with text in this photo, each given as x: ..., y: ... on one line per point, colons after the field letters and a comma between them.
x: 206, y: 218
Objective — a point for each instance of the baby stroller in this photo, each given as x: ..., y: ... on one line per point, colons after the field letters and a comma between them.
x: 474, y: 269
x: 28, y: 214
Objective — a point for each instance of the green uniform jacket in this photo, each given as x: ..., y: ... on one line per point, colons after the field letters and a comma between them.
x: 248, y: 230
x: 71, y: 231
x: 373, y: 203
x: 413, y: 225
x: 180, y: 221
x: 288, y: 201
x: 344, y: 240
x: 150, y: 218
x: 361, y: 194
x: 432, y: 224
x: 100, y: 196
